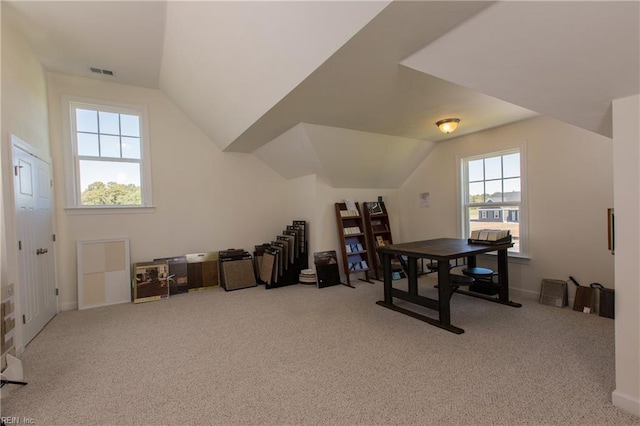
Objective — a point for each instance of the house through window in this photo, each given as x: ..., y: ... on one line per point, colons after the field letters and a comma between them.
x: 492, y: 194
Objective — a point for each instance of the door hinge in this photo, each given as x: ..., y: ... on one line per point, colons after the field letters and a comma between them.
x: 54, y: 237
x: 19, y: 245
x: 51, y: 181
x: 15, y: 170
x: 56, y: 291
x: 24, y: 319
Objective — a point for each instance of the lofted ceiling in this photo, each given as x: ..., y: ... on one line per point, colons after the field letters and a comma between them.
x: 307, y: 81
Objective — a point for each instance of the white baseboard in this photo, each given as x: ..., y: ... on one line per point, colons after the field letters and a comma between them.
x: 70, y: 306
x: 529, y: 294
x: 626, y: 402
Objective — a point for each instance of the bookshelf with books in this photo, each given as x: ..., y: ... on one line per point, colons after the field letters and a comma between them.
x: 351, y: 233
x: 378, y: 231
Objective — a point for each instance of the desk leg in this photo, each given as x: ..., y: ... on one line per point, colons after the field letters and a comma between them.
x: 387, y: 277
x: 471, y: 261
x: 412, y: 275
x: 444, y: 292
x: 503, y: 279
x: 503, y: 282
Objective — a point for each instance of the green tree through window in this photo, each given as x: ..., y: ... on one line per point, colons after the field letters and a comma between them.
x: 112, y: 193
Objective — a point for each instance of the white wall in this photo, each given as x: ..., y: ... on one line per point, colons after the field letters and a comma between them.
x: 24, y: 113
x: 626, y: 141
x: 569, y: 184
x: 24, y: 106
x: 205, y: 200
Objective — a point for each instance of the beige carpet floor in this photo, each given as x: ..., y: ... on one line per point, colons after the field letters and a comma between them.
x: 302, y: 355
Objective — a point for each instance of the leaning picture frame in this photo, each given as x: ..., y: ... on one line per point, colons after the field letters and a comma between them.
x: 150, y: 281
x: 375, y: 208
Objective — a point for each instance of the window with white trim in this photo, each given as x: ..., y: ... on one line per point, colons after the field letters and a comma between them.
x: 494, y: 183
x: 110, y: 156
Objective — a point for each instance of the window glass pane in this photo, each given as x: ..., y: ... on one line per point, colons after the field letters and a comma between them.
x: 494, y: 189
x: 476, y: 192
x: 493, y: 168
x: 473, y: 213
x: 511, y: 165
x: 130, y: 147
x: 476, y: 170
x: 109, y: 123
x: 512, y: 189
x: 109, y: 146
x: 130, y: 125
x: 110, y: 183
x: 492, y: 180
x: 86, y: 120
x: 88, y: 144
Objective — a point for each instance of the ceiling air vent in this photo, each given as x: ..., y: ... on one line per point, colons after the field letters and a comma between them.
x: 101, y: 71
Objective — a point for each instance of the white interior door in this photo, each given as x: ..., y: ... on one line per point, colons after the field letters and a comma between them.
x: 34, y: 229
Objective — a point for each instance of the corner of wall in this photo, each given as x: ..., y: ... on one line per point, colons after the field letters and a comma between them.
x: 626, y: 402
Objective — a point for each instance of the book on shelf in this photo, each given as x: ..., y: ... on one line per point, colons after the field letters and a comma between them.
x: 352, y: 230
x: 490, y: 235
x: 380, y: 241
x: 349, y: 213
x: 358, y: 266
x: 378, y: 226
x: 351, y: 205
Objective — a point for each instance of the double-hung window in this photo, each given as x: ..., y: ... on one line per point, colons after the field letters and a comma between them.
x: 110, y: 156
x: 492, y: 195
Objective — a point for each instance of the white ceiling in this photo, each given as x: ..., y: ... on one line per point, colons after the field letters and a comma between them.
x: 361, y: 72
x: 567, y: 60
x: 69, y: 37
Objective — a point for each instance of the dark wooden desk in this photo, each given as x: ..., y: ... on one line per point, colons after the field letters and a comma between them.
x: 443, y: 250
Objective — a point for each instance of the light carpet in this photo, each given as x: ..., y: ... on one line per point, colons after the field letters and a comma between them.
x: 302, y: 355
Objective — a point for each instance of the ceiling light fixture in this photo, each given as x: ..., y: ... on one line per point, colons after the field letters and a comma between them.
x: 448, y: 125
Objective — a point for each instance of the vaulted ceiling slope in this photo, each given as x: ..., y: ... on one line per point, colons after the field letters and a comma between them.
x: 251, y: 74
x: 567, y: 60
x: 227, y: 63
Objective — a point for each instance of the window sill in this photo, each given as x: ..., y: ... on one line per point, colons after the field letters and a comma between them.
x: 512, y: 257
x: 109, y: 210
